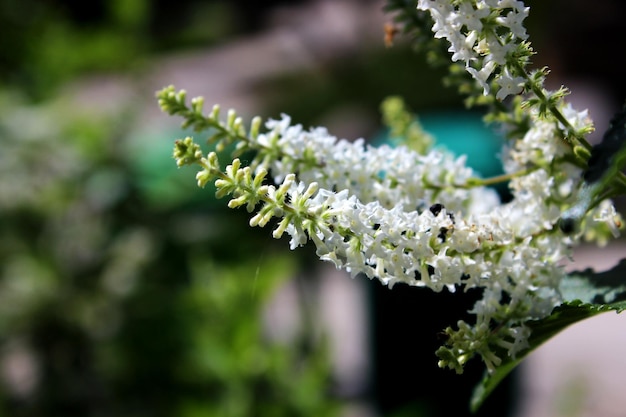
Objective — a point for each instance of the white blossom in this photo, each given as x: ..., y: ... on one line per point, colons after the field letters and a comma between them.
x: 401, y: 217
x: 514, y: 20
x: 482, y: 75
x: 605, y: 213
x: 509, y: 85
x: 471, y: 42
x: 470, y: 17
x: 428, y: 220
x: 390, y: 176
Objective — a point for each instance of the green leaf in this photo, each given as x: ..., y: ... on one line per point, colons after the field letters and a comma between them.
x: 586, y: 293
x: 606, y: 289
x: 404, y: 126
x: 608, y: 156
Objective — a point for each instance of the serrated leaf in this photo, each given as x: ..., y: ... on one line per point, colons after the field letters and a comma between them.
x: 598, y: 288
x: 587, y: 293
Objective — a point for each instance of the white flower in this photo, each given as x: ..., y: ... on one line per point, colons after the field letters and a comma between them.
x: 499, y: 51
x: 390, y: 176
x: 578, y: 119
x: 514, y: 20
x: 470, y: 17
x: 482, y: 75
x: 605, y: 213
x: 540, y: 145
x: 482, y: 49
x: 443, y: 7
x: 462, y: 47
x: 467, y: 240
x: 509, y: 85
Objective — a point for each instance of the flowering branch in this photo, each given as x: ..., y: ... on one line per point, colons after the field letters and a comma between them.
x: 417, y: 215
x: 372, y: 173
x: 433, y: 247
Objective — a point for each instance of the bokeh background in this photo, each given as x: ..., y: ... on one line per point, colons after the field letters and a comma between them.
x: 127, y: 291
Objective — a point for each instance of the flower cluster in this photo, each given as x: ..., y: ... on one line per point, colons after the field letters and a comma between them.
x: 487, y: 35
x: 390, y: 176
x: 399, y: 216
x: 424, y: 218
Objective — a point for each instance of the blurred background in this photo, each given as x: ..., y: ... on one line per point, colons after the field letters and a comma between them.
x: 127, y: 291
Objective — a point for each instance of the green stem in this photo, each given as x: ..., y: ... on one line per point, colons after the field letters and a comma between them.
x: 483, y: 182
x: 539, y: 93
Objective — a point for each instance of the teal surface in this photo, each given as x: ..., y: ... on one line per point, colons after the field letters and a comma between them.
x: 465, y: 133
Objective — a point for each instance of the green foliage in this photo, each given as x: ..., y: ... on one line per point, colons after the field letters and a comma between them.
x: 52, y: 43
x: 404, y: 125
x: 47, y: 44
x: 250, y: 376
x: 124, y: 302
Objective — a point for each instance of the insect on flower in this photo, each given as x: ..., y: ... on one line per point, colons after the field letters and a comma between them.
x: 391, y: 31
